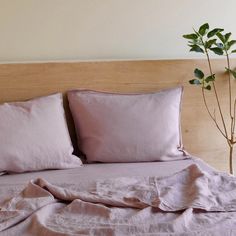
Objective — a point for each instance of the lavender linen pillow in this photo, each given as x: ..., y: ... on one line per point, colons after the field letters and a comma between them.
x: 34, y: 136
x: 128, y: 128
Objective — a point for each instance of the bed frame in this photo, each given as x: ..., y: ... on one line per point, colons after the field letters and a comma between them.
x: 25, y: 81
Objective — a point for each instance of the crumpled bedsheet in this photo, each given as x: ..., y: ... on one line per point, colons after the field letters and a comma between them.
x: 190, y: 202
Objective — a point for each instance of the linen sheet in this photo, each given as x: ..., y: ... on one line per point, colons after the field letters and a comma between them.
x: 170, y: 198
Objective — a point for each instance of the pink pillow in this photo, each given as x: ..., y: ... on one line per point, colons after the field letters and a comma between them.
x: 128, y: 128
x: 34, y: 136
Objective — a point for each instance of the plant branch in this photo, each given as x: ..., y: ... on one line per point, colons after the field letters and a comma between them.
x: 233, y: 130
x: 229, y: 79
x: 216, y: 94
x: 231, y: 169
x: 212, y: 117
x: 232, y: 116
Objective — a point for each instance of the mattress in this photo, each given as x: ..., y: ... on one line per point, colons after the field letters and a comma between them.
x: 92, y: 172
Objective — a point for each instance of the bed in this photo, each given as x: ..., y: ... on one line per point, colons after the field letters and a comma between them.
x: 119, y: 198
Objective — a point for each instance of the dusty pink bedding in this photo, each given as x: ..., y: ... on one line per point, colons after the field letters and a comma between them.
x: 191, y: 201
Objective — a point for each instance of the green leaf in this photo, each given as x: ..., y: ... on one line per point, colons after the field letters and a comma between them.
x: 232, y: 72
x: 214, y: 32
x: 190, y: 36
x: 210, y: 78
x: 198, y: 73
x: 209, y: 43
x: 231, y: 43
x: 203, y: 29
x: 195, y: 81
x: 208, y: 87
x: 196, y: 48
x: 227, y: 36
x: 217, y: 51
x: 221, y: 37
x: 193, y: 41
x: 233, y: 51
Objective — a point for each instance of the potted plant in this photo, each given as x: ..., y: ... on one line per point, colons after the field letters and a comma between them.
x: 206, y: 40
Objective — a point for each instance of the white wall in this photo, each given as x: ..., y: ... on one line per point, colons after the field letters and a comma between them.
x: 49, y: 30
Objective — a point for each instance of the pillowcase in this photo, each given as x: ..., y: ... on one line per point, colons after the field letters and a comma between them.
x: 34, y: 136
x: 128, y: 127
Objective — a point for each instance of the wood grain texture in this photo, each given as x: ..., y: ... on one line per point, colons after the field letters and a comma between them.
x: 20, y: 82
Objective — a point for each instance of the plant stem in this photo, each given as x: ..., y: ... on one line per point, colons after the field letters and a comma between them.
x: 212, y: 117
x: 232, y: 116
x: 230, y: 140
x: 216, y: 94
x: 215, y: 91
x: 231, y: 169
x: 229, y: 80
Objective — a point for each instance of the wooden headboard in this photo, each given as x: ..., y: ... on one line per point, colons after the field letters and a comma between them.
x: 25, y: 81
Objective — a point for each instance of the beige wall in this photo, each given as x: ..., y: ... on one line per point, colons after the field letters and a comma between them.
x: 44, y: 30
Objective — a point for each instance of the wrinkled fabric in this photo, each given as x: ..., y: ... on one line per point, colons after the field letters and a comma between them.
x: 190, y: 202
